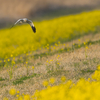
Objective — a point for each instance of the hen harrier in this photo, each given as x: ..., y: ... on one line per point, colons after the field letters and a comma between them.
x: 25, y: 20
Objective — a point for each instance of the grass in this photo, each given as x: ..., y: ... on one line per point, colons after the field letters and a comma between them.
x: 1, y: 79
x: 45, y: 54
x: 75, y: 69
x: 20, y: 81
x: 52, y: 64
x: 76, y: 64
x: 85, y: 62
x: 50, y: 53
x: 87, y: 71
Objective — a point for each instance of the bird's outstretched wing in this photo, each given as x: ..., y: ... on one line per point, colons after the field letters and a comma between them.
x: 18, y: 21
x: 25, y: 20
x: 33, y: 28
x: 32, y: 25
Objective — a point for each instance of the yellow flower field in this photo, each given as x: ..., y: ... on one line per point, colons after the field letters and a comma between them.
x: 21, y: 39
x: 56, y: 76
x: 67, y: 90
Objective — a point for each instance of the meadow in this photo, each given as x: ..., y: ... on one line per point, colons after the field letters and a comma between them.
x: 21, y: 39
x: 58, y: 62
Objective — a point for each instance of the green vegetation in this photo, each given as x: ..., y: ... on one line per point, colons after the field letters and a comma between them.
x: 19, y: 81
x: 37, y: 66
x: 45, y: 54
x: 1, y: 79
x: 21, y: 39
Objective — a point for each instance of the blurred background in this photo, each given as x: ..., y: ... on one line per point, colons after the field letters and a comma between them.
x: 11, y: 10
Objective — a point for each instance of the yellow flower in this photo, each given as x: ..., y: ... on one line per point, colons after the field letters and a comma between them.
x: 20, y: 57
x: 62, y: 49
x: 23, y: 94
x: 13, y: 58
x: 30, y: 52
x: 84, y: 43
x: 12, y: 91
x: 54, y: 47
x: 59, y: 42
x: 45, y: 83
x: 26, y: 97
x: 47, y: 44
x: 36, y: 94
x: 79, y: 40
x: 57, y: 56
x: 13, y: 62
x: 56, y: 44
x: 90, y: 44
x: 26, y: 62
x: 17, y: 95
x: 8, y: 59
x: 89, y: 79
x: 17, y: 91
x: 51, y: 60
x: 47, y: 61
x: 78, y: 45
x: 47, y: 47
x: 11, y: 55
x: 33, y: 67
x: 63, y: 78
x: 98, y: 67
x: 27, y: 54
x: 52, y: 80
x: 87, y: 47
x: 58, y: 63
x: 20, y: 98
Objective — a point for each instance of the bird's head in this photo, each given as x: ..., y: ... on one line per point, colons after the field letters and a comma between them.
x: 25, y: 19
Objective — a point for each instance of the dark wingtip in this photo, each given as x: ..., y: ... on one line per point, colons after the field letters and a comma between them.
x: 34, y: 29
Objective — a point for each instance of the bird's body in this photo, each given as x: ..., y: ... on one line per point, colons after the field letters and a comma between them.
x: 25, y: 20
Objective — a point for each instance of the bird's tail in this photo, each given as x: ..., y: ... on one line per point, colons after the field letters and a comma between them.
x: 34, y: 29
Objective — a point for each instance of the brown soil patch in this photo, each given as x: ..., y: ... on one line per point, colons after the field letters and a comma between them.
x: 73, y: 65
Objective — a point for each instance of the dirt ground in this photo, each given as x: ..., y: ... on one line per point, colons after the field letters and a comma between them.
x: 74, y: 65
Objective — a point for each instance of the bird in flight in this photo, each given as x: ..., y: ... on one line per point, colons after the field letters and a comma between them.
x: 25, y: 20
